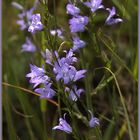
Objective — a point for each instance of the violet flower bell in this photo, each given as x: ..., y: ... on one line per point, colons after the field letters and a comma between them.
x: 74, y: 93
x: 26, y: 16
x: 68, y: 73
x: 78, y: 43
x: 65, y: 71
x: 63, y: 126
x: 70, y: 58
x: 93, y: 120
x: 94, y: 5
x: 22, y: 23
x: 37, y: 75
x: 28, y: 46
x: 112, y: 18
x: 72, y: 10
x: 78, y: 23
x: 46, y: 92
x: 36, y: 24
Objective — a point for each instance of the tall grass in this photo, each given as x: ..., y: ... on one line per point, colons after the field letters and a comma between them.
x: 111, y: 59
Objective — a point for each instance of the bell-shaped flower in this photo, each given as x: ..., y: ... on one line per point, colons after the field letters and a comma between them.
x: 94, y: 5
x: 36, y: 24
x: 28, y: 46
x: 25, y: 16
x: 67, y: 73
x: 46, y: 92
x: 93, y: 120
x: 112, y: 18
x: 63, y: 125
x: 78, y: 43
x: 72, y: 10
x: 37, y: 75
x: 78, y: 23
x: 74, y: 93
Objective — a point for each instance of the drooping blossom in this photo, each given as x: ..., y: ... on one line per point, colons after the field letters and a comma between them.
x: 93, y: 120
x: 112, y: 18
x: 37, y: 75
x: 78, y: 43
x: 78, y: 23
x: 63, y: 126
x: 72, y: 10
x: 28, y: 46
x: 46, y: 92
x: 36, y: 24
x: 58, y: 32
x: 74, y: 93
x: 94, y: 5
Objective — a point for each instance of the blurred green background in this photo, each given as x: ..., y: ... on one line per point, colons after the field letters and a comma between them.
x: 22, y: 114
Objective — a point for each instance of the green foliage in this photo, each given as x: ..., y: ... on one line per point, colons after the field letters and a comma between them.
x: 111, y: 59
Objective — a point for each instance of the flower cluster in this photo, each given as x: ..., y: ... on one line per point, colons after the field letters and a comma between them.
x: 63, y: 68
x: 38, y: 77
x: 25, y: 16
x: 77, y: 22
x: 28, y: 21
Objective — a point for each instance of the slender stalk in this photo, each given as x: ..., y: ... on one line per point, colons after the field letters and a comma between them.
x: 28, y: 91
x: 123, y: 103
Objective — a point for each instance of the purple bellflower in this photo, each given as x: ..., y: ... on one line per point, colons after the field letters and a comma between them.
x: 28, y: 46
x: 63, y: 126
x: 93, y: 121
x: 72, y: 10
x: 65, y: 71
x: 69, y: 59
x: 58, y: 32
x: 25, y: 19
x: 22, y: 23
x: 94, y: 5
x: 36, y: 24
x: 68, y: 73
x: 46, y: 92
x: 37, y: 75
x: 77, y: 24
x: 26, y: 16
x: 74, y: 93
x: 77, y: 43
x: 111, y: 19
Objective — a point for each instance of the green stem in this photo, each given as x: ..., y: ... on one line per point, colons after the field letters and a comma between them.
x: 123, y: 103
x: 28, y: 91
